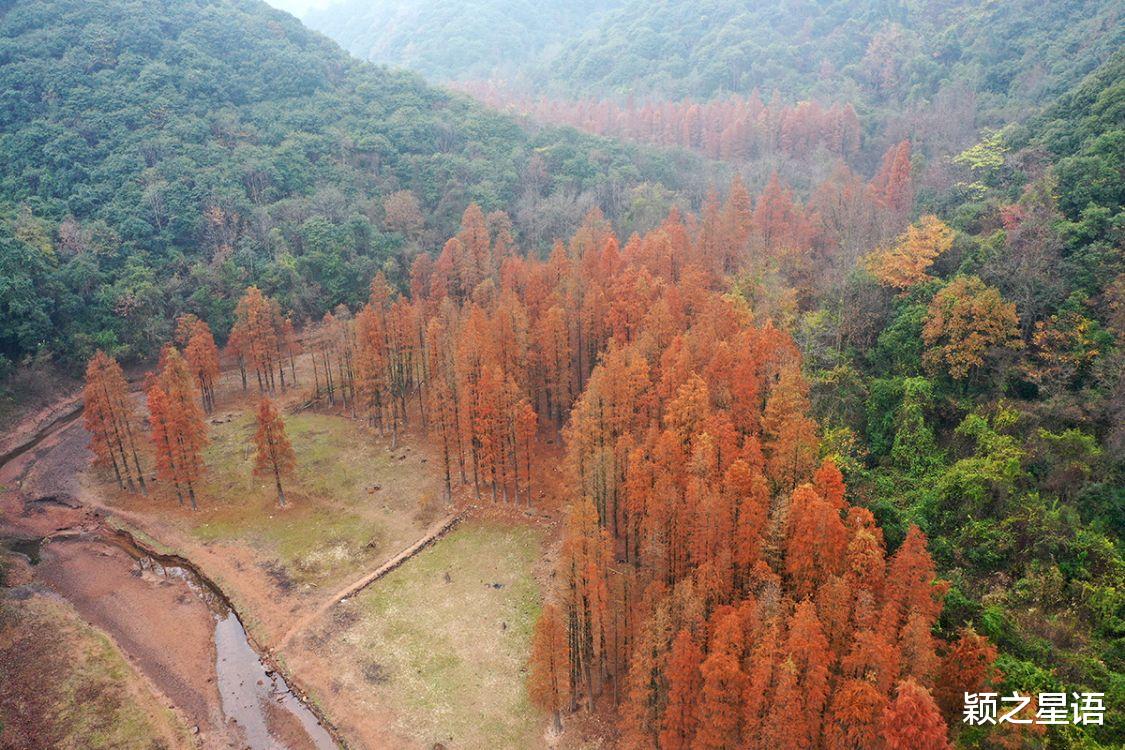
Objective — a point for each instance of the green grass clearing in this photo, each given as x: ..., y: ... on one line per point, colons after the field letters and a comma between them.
x: 335, y: 522
x: 445, y: 647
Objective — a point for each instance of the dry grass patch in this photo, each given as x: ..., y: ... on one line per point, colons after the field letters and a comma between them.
x: 63, y: 684
x: 352, y: 504
x: 443, y: 641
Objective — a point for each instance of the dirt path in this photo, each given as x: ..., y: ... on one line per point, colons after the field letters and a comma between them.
x: 432, y: 534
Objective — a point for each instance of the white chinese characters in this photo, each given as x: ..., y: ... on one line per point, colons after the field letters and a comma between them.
x: 1050, y: 708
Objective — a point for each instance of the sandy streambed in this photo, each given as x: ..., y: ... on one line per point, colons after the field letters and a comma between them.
x: 183, y: 637
x: 176, y: 628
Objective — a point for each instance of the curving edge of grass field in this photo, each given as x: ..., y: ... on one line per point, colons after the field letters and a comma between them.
x: 336, y: 522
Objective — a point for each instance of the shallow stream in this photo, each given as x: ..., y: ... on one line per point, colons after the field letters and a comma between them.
x: 252, y: 695
x: 247, y: 688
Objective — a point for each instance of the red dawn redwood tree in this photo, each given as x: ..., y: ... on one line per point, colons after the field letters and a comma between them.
x: 548, y: 682
x: 255, y: 331
x: 179, y: 433
x: 967, y: 667
x: 274, y: 456
x: 720, y: 702
x: 790, y: 442
x: 685, y: 682
x: 913, y: 722
x: 109, y: 417
x: 203, y: 358
x: 855, y: 720
x: 526, y: 423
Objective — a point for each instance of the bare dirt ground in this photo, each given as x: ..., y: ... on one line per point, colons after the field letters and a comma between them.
x: 31, y: 391
x: 64, y: 684
x: 163, y: 626
x: 164, y: 630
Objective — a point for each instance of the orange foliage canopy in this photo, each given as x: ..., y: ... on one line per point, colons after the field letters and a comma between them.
x: 732, y: 128
x: 179, y: 433
x: 108, y: 414
x: 912, y: 721
x: 905, y: 263
x: 203, y: 358
x: 714, y: 583
x: 966, y: 322
x: 274, y: 455
x: 549, y: 675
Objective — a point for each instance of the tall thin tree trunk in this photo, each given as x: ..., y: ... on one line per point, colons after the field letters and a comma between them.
x: 445, y: 461
x: 136, y: 459
x: 277, y: 481
x: 116, y: 471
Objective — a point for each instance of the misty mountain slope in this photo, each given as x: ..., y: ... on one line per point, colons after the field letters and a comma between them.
x: 445, y: 41
x: 876, y: 50
x: 871, y: 53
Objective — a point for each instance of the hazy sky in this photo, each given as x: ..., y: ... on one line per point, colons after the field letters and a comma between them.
x: 298, y: 7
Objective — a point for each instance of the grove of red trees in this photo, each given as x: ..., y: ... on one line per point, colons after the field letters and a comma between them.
x: 715, y: 587
x: 110, y: 418
x: 733, y: 129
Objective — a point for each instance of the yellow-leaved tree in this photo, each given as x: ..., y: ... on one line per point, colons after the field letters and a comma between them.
x: 965, y: 323
x: 905, y: 263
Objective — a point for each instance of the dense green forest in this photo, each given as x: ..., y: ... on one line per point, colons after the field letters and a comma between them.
x: 159, y: 156
x: 874, y: 54
x: 1013, y: 466
x: 934, y: 73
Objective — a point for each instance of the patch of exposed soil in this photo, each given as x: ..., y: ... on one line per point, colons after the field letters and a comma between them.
x: 62, y: 684
x: 157, y: 621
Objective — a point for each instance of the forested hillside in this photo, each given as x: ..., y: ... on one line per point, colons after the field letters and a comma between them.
x: 965, y: 371
x: 872, y: 52
x: 809, y: 411
x: 771, y: 86
x: 985, y: 381
x: 158, y: 156
x: 447, y: 41
x: 876, y: 55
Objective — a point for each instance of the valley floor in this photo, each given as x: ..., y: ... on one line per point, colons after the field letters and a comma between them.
x: 401, y: 619
x: 67, y: 685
